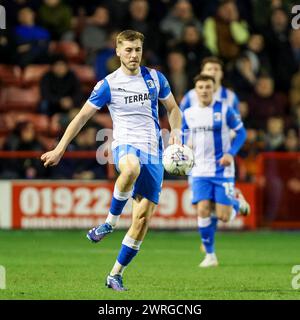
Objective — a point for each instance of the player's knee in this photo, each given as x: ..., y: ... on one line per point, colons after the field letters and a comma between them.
x: 203, y: 211
x: 224, y: 216
x: 131, y: 172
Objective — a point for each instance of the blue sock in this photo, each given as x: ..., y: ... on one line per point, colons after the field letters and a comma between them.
x: 116, y: 206
x: 126, y: 254
x: 214, y: 221
x: 130, y: 248
x: 207, y: 233
x: 119, y: 201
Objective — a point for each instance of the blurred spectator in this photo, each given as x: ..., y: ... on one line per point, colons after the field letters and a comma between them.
x: 56, y: 17
x: 295, y: 118
x: 265, y: 103
x: 274, y: 138
x: 225, y: 33
x: 118, y: 10
x: 139, y: 19
x: 291, y: 142
x: 60, y: 88
x: 253, y: 146
x: 243, y: 76
x: 172, y: 25
x: 7, y: 46
x: 279, y: 49
x: 31, y: 40
x: 263, y: 8
x: 294, y: 92
x: 70, y: 168
x: 14, y: 6
x: 295, y: 46
x: 176, y: 74
x: 193, y: 49
x: 95, y: 33
x: 23, y: 138
x: 244, y: 112
x: 89, y: 168
x: 106, y: 59
x: 257, y: 53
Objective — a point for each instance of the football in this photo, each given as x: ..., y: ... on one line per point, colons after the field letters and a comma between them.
x: 178, y: 159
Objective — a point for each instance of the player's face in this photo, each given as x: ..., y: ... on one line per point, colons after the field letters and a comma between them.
x: 130, y: 53
x: 205, y: 91
x: 213, y: 70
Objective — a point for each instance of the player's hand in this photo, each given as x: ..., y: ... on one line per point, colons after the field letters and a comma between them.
x: 51, y: 158
x: 175, y: 137
x: 226, y: 160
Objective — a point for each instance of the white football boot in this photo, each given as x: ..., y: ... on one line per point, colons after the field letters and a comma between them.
x: 210, y: 260
x: 244, y: 205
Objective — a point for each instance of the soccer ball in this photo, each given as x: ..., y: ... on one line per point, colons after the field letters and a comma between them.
x: 178, y: 159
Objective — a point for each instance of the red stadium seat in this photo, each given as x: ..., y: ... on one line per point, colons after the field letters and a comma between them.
x: 13, y: 98
x: 70, y: 49
x: 10, y: 75
x: 47, y: 142
x: 85, y: 74
x: 40, y: 121
x: 33, y: 74
x: 3, y: 126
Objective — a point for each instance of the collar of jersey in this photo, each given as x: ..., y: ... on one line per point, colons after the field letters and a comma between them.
x: 209, y: 106
x: 130, y: 76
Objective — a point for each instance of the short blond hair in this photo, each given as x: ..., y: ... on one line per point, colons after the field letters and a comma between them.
x: 129, y: 35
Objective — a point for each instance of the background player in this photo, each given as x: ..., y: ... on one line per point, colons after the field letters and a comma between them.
x: 208, y: 122
x: 131, y: 93
x: 213, y: 66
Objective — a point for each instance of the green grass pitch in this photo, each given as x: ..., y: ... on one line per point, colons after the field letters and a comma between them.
x: 65, y: 265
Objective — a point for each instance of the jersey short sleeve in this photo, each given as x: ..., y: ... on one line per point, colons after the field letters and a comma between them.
x: 236, y: 103
x: 233, y: 119
x: 185, y: 102
x: 165, y: 89
x: 100, y: 95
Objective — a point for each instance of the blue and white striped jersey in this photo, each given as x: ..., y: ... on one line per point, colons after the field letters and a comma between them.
x: 209, y: 130
x: 133, y: 105
x: 222, y: 94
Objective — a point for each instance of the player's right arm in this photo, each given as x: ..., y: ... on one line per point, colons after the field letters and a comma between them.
x: 99, y: 97
x: 52, y: 158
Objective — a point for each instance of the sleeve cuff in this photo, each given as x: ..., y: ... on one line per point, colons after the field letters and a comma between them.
x: 166, y: 97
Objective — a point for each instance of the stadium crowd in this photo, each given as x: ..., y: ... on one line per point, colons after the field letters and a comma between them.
x: 53, y: 52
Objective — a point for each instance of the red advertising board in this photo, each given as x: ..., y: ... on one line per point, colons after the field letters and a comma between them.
x: 78, y: 204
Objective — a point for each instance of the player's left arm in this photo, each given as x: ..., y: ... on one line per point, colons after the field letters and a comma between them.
x: 167, y: 99
x: 235, y: 123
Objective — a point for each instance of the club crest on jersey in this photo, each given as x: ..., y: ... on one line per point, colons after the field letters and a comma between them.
x: 150, y: 84
x: 217, y: 116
